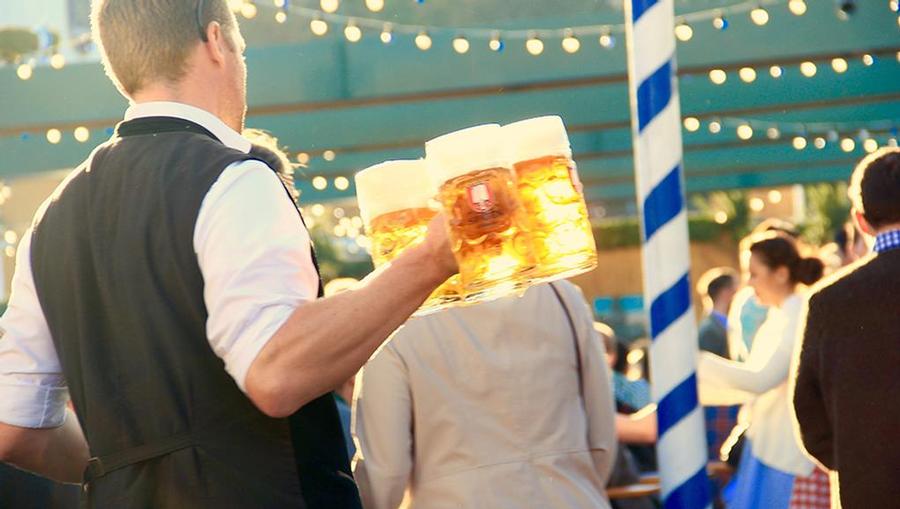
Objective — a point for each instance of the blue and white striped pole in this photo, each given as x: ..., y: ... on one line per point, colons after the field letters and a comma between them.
x: 656, y: 131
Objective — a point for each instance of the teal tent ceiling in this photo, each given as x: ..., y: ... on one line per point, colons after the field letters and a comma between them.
x: 368, y: 101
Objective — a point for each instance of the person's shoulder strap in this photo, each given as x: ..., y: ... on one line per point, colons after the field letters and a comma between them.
x: 574, y: 332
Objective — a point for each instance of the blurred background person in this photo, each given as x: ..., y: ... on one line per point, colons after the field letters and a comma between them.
x: 773, y: 473
x: 504, y: 404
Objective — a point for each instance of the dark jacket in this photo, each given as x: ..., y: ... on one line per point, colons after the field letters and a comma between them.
x: 713, y: 336
x: 847, y: 392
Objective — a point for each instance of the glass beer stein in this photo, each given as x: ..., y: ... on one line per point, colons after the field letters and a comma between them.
x: 393, y: 202
x: 487, y: 224
x: 551, y: 193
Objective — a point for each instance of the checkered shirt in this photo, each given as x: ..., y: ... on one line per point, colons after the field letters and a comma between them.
x: 887, y: 241
x: 811, y: 492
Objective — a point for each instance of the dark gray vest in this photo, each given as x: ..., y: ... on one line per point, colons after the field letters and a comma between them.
x: 120, y: 286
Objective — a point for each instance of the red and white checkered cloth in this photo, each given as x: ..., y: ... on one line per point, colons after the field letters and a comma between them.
x: 811, y: 492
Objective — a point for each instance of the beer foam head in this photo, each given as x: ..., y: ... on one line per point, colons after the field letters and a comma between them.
x: 392, y: 186
x: 464, y: 151
x: 536, y: 137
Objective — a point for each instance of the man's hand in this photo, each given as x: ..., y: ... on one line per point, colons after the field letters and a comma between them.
x: 437, y: 243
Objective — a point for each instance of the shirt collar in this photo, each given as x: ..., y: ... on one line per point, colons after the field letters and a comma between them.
x: 887, y: 241
x: 228, y: 136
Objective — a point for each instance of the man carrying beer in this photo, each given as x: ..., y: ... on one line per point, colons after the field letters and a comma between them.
x: 168, y: 285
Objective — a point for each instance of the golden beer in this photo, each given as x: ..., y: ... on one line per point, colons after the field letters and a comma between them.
x: 550, y: 191
x: 394, y: 232
x: 487, y: 224
x: 393, y: 201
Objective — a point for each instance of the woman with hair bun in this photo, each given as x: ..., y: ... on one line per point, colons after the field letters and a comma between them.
x: 774, y: 473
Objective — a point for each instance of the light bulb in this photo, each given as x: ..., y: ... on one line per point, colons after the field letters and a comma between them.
x: 352, y: 33
x: 329, y: 6
x: 24, y: 71
x: 460, y: 45
x: 799, y: 142
x: 775, y: 71
x: 375, y: 5
x: 759, y: 16
x: 423, y: 41
x: 54, y: 136
x: 691, y: 123
x: 534, y: 46
x: 718, y: 76
x: 808, y: 69
x: 58, y: 61
x: 570, y: 43
x: 82, y: 134
x: 386, y: 35
x: 744, y: 131
x: 684, y: 32
x: 747, y: 74
x: 839, y: 65
x: 318, y: 27
x: 797, y: 7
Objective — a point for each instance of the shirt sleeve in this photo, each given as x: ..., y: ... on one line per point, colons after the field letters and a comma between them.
x: 254, y: 254
x: 755, y: 376
x: 382, y: 427
x: 33, y: 392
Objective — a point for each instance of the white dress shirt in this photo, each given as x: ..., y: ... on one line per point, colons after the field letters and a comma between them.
x: 480, y: 407
x: 762, y: 381
x: 253, y: 252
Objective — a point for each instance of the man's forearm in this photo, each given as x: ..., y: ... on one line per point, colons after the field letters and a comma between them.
x: 59, y: 453
x: 325, y: 342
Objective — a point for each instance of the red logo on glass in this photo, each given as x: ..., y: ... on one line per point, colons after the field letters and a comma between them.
x: 480, y: 197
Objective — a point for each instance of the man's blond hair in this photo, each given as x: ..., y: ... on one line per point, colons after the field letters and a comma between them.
x: 144, y: 41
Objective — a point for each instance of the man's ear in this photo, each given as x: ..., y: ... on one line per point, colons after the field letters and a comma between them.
x: 216, y: 44
x: 861, y: 222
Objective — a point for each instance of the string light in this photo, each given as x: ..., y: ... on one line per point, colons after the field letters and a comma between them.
x: 534, y: 45
x: 386, y: 35
x: 684, y: 32
x: 797, y: 7
x: 303, y: 158
x: 756, y: 204
x: 423, y: 41
x: 759, y: 16
x: 10, y: 236
x: 721, y: 217
x: 773, y: 133
x: 280, y: 17
x: 352, y: 32
x: 460, y: 45
x: 248, y: 10
x: 320, y: 183
x: 808, y: 69
x: 318, y: 26
x: 868, y: 60
x: 570, y: 43
x: 839, y: 65
x: 747, y: 74
x: 775, y: 196
x: 744, y: 131
x: 692, y: 124
x: 819, y: 142
x: 317, y: 210
x: 607, y: 40
x: 496, y: 44
x: 338, y: 212
x: 848, y: 145
x: 329, y: 6
x: 720, y: 22
x: 24, y: 72
x: 799, y: 142
x: 775, y: 71
x: 54, y: 136
x: 870, y: 145
x: 328, y: 155
x: 715, y: 127
x: 82, y: 134
x: 375, y: 5
x: 58, y: 61
x: 341, y: 183
x: 718, y: 76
